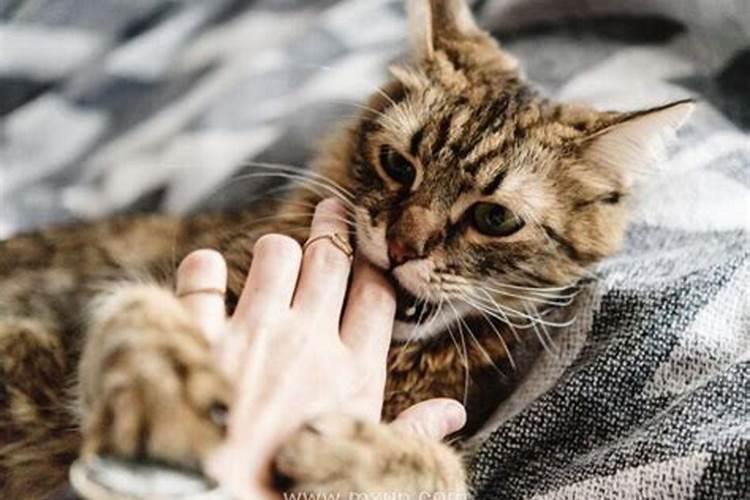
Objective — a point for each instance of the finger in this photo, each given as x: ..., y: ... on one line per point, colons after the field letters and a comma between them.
x: 270, y: 284
x: 325, y: 267
x: 201, y: 282
x: 434, y: 418
x: 368, y: 317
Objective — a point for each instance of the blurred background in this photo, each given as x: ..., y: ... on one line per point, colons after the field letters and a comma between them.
x: 125, y: 105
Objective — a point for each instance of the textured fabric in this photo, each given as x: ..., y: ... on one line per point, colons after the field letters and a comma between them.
x: 116, y: 105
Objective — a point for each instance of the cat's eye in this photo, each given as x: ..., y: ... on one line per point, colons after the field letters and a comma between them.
x: 396, y: 166
x: 495, y: 220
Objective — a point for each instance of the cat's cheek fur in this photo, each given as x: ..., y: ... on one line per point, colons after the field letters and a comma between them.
x: 415, y: 276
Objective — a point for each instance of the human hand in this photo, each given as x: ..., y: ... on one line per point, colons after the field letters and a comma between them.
x: 292, y: 352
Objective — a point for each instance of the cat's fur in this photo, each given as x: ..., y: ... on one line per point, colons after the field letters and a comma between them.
x: 85, y: 365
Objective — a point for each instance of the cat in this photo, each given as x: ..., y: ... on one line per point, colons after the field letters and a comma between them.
x: 483, y: 201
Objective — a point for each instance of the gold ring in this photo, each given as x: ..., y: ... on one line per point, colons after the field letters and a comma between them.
x: 338, y: 241
x: 212, y: 291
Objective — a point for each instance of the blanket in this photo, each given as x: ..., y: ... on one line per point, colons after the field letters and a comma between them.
x: 130, y: 105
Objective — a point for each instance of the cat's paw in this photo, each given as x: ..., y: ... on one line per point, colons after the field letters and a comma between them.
x: 152, y: 389
x: 344, y: 455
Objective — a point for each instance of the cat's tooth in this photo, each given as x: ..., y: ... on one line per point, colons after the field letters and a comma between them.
x: 411, y: 311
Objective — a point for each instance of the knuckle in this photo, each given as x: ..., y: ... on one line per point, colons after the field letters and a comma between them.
x: 327, y: 258
x: 278, y: 245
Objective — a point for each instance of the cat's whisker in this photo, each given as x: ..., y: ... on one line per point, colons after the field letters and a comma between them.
x: 479, y: 345
x: 548, y: 302
x: 511, y: 312
x: 403, y: 118
x: 305, y: 182
x: 468, y: 370
x: 419, y: 318
x: 471, y: 289
x: 281, y: 168
x: 298, y: 203
x: 298, y: 174
x: 351, y: 224
x: 297, y: 181
x: 436, y: 313
x: 368, y: 83
x: 372, y: 88
x: 447, y: 326
x: 414, y: 330
x: 533, y: 324
x: 467, y: 375
x: 541, y: 337
x: 550, y: 293
x: 463, y: 356
x: 376, y: 89
x: 265, y: 195
x: 499, y: 313
x: 499, y: 335
x: 590, y: 275
x: 532, y: 319
x: 390, y: 120
x: 565, y: 293
x: 505, y: 318
x: 310, y: 215
x: 301, y: 171
x: 533, y: 289
x: 282, y: 217
x: 430, y: 320
x: 285, y: 200
x: 542, y: 331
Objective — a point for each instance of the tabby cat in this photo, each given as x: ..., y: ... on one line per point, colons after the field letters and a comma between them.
x: 483, y: 201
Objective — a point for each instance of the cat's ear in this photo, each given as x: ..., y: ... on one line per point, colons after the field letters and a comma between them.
x: 632, y: 146
x: 431, y: 19
x: 436, y: 25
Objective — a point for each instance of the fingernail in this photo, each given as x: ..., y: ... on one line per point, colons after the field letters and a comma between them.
x: 455, y: 416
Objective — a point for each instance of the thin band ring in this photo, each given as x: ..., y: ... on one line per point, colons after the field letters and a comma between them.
x: 212, y: 291
x: 338, y: 241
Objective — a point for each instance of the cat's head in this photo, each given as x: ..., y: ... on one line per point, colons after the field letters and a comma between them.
x: 472, y: 188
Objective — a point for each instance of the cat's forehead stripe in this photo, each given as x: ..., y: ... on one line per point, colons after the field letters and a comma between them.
x: 489, y: 122
x: 416, y: 141
x: 494, y: 184
x: 442, y: 134
x: 488, y: 152
x: 474, y: 166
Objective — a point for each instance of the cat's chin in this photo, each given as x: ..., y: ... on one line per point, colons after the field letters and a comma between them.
x: 439, y: 321
x: 419, y: 319
x: 416, y: 318
x: 409, y: 308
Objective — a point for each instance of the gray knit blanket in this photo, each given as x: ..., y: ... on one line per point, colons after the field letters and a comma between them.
x: 121, y: 105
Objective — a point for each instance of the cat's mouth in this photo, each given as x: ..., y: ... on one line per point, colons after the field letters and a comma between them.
x: 409, y: 308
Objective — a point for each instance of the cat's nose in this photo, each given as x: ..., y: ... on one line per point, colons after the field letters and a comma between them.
x: 413, y: 235
x: 416, y: 245
x: 401, y: 251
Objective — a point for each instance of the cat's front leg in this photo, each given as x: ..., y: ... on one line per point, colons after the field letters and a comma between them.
x: 342, y: 455
x: 148, y: 385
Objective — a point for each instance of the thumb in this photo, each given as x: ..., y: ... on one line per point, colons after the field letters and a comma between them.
x: 434, y: 418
